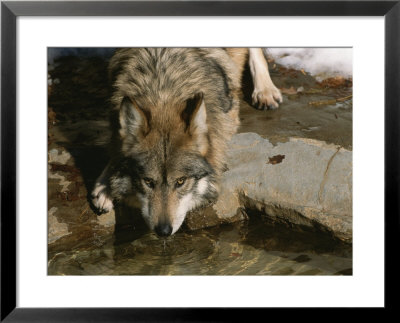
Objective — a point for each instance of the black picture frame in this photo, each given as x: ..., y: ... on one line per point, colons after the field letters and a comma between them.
x: 10, y: 10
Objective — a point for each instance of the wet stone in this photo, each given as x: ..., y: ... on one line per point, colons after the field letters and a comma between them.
x: 56, y: 230
x: 107, y: 219
x: 59, y: 156
x: 311, y: 186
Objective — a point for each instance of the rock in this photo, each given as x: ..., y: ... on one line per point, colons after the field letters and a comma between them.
x: 55, y: 157
x: 62, y: 181
x: 107, y: 219
x: 303, y: 181
x: 56, y: 229
x: 207, y: 217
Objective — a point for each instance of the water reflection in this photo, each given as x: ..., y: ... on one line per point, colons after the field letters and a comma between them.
x: 255, y: 247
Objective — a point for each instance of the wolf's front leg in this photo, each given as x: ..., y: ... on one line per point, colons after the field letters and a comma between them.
x: 265, y: 95
x: 101, y: 195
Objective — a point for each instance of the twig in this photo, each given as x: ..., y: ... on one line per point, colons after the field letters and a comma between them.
x: 329, y: 102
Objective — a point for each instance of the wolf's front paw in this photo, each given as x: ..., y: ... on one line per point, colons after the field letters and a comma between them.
x: 101, y: 199
x: 267, y: 98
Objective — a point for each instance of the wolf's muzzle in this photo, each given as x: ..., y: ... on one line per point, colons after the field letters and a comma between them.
x: 163, y: 229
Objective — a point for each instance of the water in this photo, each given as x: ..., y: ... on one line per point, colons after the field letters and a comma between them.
x: 255, y: 247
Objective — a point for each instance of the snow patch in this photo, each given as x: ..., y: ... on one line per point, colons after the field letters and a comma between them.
x: 319, y: 62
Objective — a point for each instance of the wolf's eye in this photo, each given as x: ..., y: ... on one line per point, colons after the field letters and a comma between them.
x: 149, y: 182
x: 180, y: 182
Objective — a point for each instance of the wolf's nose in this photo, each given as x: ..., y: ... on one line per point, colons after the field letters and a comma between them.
x: 163, y: 229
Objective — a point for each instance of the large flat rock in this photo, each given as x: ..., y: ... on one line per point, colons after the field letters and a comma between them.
x: 302, y: 181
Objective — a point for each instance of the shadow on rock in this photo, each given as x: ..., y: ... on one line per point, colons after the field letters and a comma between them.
x: 263, y: 232
x: 78, y: 100
x: 129, y: 224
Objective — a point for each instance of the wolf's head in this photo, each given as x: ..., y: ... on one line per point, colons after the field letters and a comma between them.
x: 168, y: 146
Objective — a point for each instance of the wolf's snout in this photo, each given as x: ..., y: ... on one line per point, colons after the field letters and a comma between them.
x: 163, y: 229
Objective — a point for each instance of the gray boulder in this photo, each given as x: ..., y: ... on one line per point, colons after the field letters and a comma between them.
x: 302, y: 181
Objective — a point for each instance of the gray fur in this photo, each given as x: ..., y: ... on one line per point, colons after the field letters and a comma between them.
x: 158, y: 140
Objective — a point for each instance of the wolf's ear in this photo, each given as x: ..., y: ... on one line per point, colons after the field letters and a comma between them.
x: 195, y: 117
x: 133, y: 120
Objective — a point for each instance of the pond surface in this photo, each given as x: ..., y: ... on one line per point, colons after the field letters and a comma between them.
x: 255, y: 247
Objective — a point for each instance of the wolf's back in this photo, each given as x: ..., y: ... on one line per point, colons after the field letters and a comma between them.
x: 159, y: 79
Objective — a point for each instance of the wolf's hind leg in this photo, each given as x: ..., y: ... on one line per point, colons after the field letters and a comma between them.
x: 266, y: 94
x: 101, y: 197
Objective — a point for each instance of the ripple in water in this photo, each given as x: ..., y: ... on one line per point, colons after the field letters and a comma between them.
x: 254, y: 248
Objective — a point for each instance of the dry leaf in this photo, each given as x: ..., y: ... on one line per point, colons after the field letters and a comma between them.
x: 276, y: 159
x: 330, y: 102
x: 290, y: 91
x: 336, y: 82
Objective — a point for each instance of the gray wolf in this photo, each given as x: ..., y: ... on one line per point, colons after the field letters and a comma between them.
x: 177, y: 110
